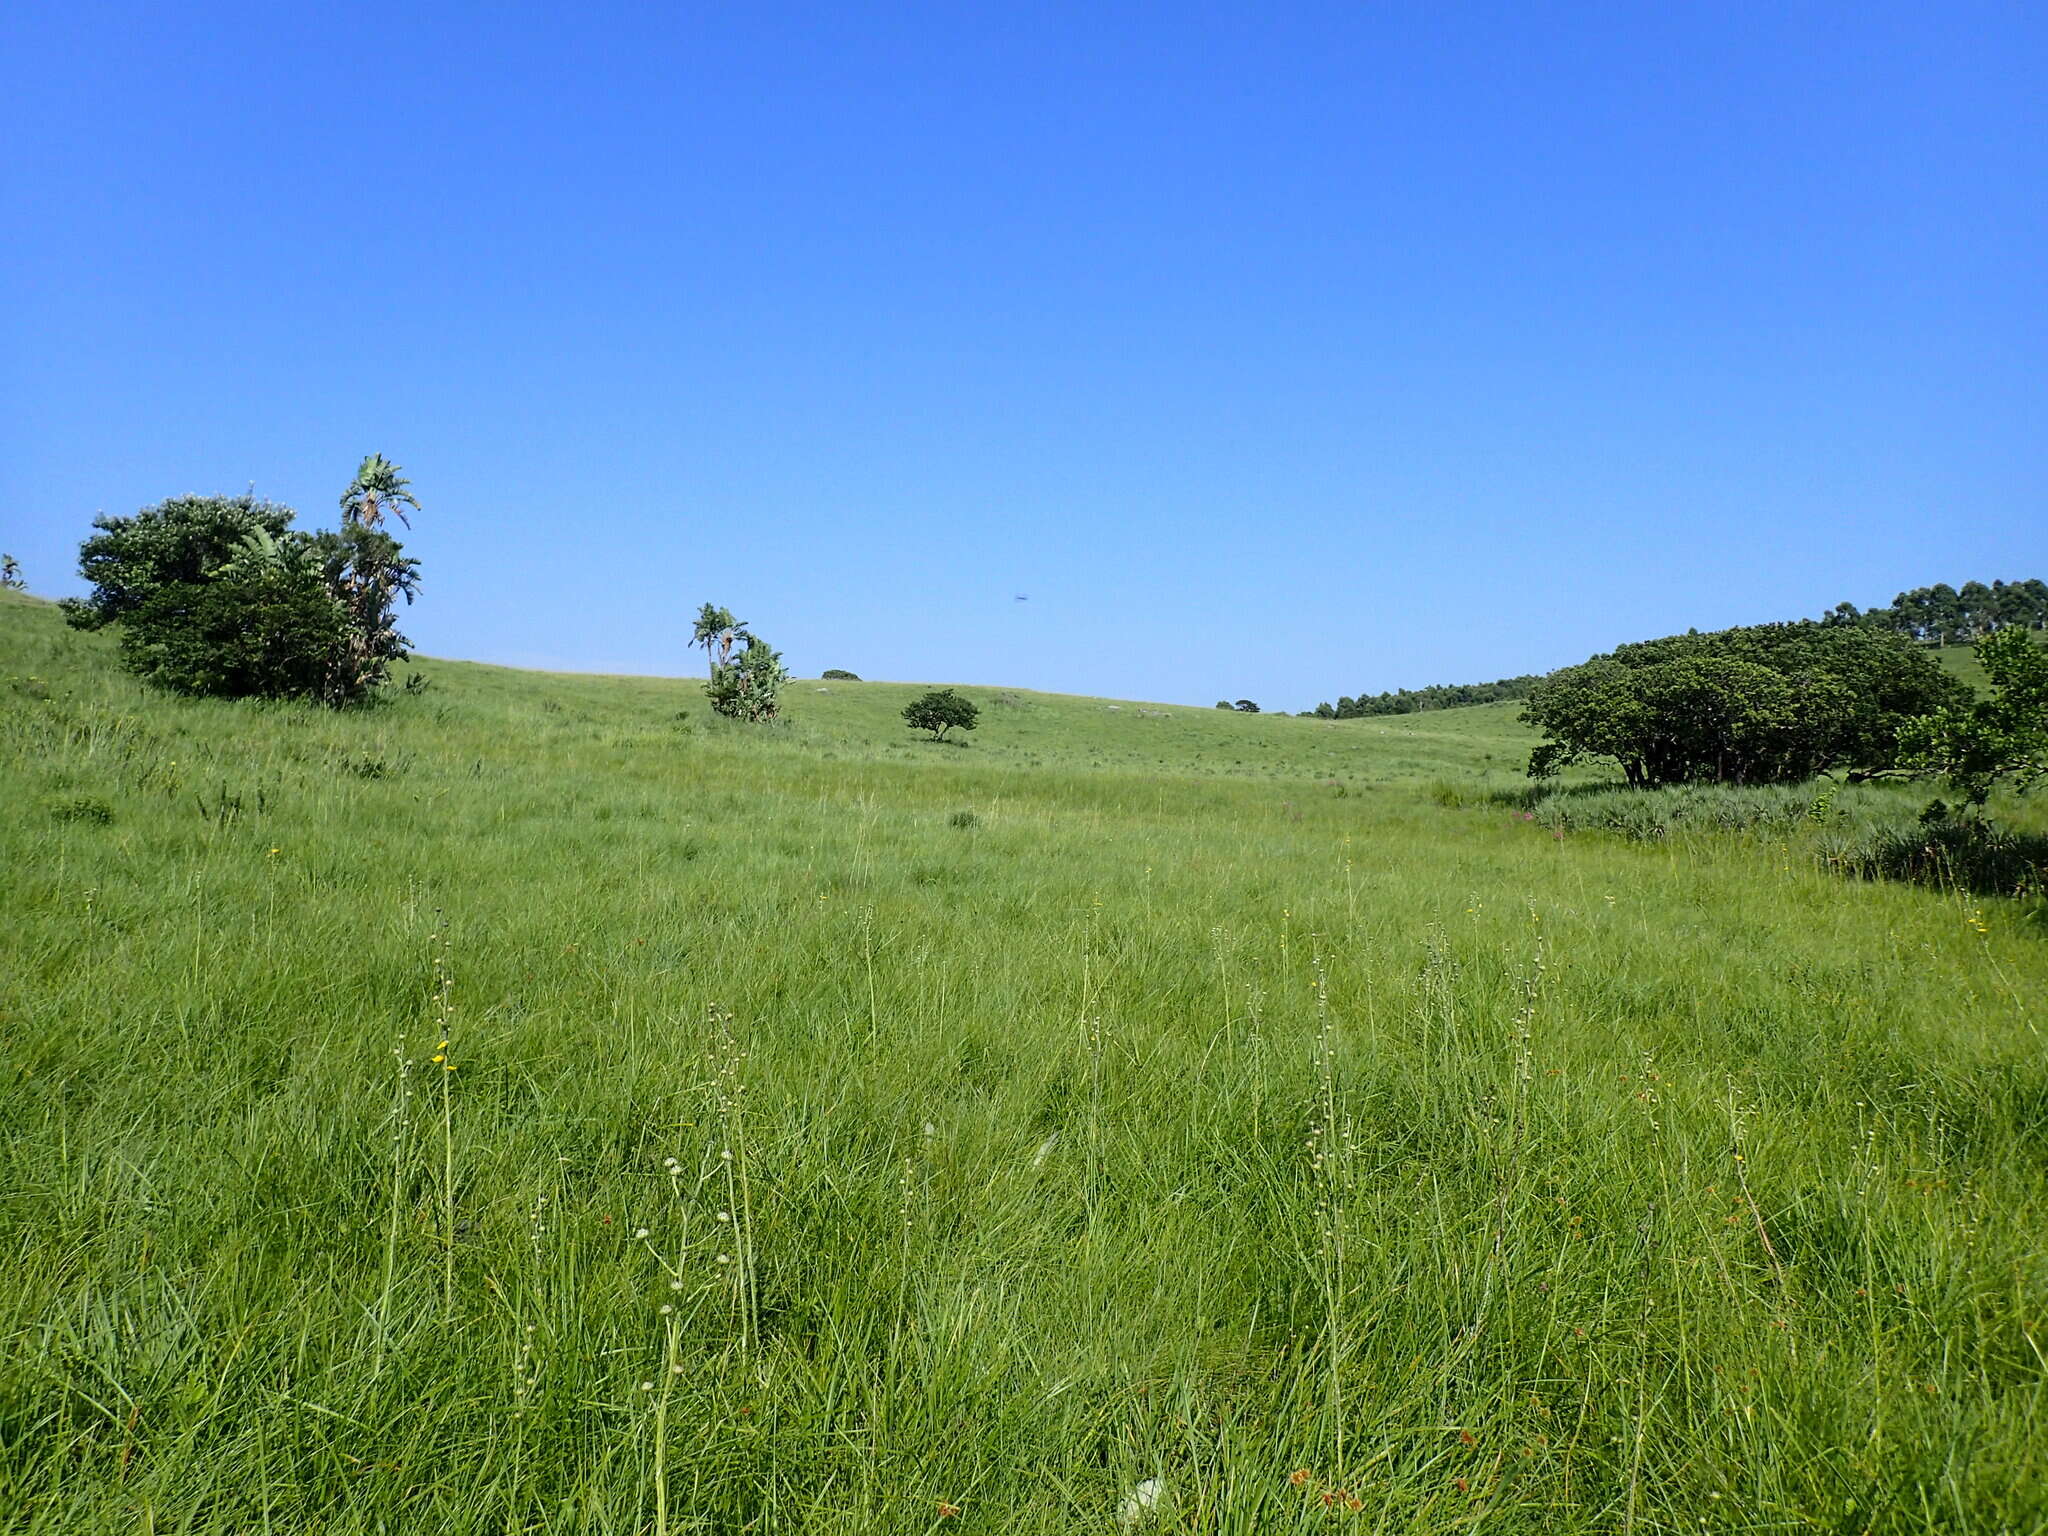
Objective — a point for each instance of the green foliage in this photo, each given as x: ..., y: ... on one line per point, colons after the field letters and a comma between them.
x: 180, y: 542
x: 747, y: 686
x: 1409, y: 701
x: 1946, y: 615
x: 367, y: 571
x: 839, y: 675
x: 1973, y: 745
x: 10, y: 575
x: 1765, y: 704
x: 377, y: 488
x: 717, y: 631
x: 1245, y: 707
x: 940, y: 711
x: 1223, y: 703
x: 220, y: 596
x: 258, y: 628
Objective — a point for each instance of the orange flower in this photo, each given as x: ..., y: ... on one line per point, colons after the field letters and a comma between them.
x: 947, y: 1511
x: 1298, y: 1476
x: 1465, y: 1437
x: 1459, y: 1484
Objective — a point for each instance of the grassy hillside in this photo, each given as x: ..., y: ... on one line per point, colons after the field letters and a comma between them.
x: 1185, y: 1097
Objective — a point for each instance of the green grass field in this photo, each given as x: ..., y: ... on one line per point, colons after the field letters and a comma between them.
x: 1137, y: 1117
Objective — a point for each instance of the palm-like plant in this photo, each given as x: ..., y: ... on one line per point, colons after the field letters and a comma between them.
x: 717, y: 631
x: 377, y: 488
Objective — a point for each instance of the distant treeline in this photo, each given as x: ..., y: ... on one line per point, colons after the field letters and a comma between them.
x: 1946, y: 615
x: 1936, y: 615
x: 1411, y: 701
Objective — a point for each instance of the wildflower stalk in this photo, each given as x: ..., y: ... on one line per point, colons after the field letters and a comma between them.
x: 444, y: 1010
x: 1330, y: 1149
x: 671, y: 1368
x: 729, y: 1095
x: 401, y: 1092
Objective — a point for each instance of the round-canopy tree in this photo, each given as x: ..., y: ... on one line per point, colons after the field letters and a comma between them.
x: 939, y: 711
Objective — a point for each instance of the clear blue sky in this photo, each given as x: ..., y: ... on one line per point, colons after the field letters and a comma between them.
x: 1281, y: 351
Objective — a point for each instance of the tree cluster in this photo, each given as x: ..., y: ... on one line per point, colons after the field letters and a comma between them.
x: 746, y: 673
x: 1410, y: 701
x: 1769, y: 703
x: 1946, y: 615
x: 220, y: 596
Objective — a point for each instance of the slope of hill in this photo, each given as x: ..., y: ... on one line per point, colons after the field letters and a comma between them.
x: 1122, y: 1097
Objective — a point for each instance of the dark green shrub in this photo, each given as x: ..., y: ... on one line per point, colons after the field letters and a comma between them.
x: 836, y: 675
x: 265, y: 630
x: 940, y: 711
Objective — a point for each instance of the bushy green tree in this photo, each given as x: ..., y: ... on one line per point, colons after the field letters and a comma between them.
x: 1763, y: 704
x: 220, y: 595
x: 1974, y: 745
x: 263, y: 624
x: 182, y: 541
x: 747, y: 686
x: 940, y: 711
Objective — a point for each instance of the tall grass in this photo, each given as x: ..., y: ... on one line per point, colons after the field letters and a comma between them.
x: 1312, y: 1159
x: 1873, y: 830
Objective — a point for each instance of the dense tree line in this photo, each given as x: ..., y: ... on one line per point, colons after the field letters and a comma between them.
x: 1946, y: 615
x: 1410, y: 701
x: 1768, y: 703
x: 1936, y: 615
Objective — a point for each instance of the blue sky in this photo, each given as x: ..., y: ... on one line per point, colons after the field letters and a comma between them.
x: 1272, y: 351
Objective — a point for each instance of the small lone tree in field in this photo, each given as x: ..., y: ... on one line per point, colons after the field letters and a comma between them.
x: 10, y: 574
x: 939, y: 711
